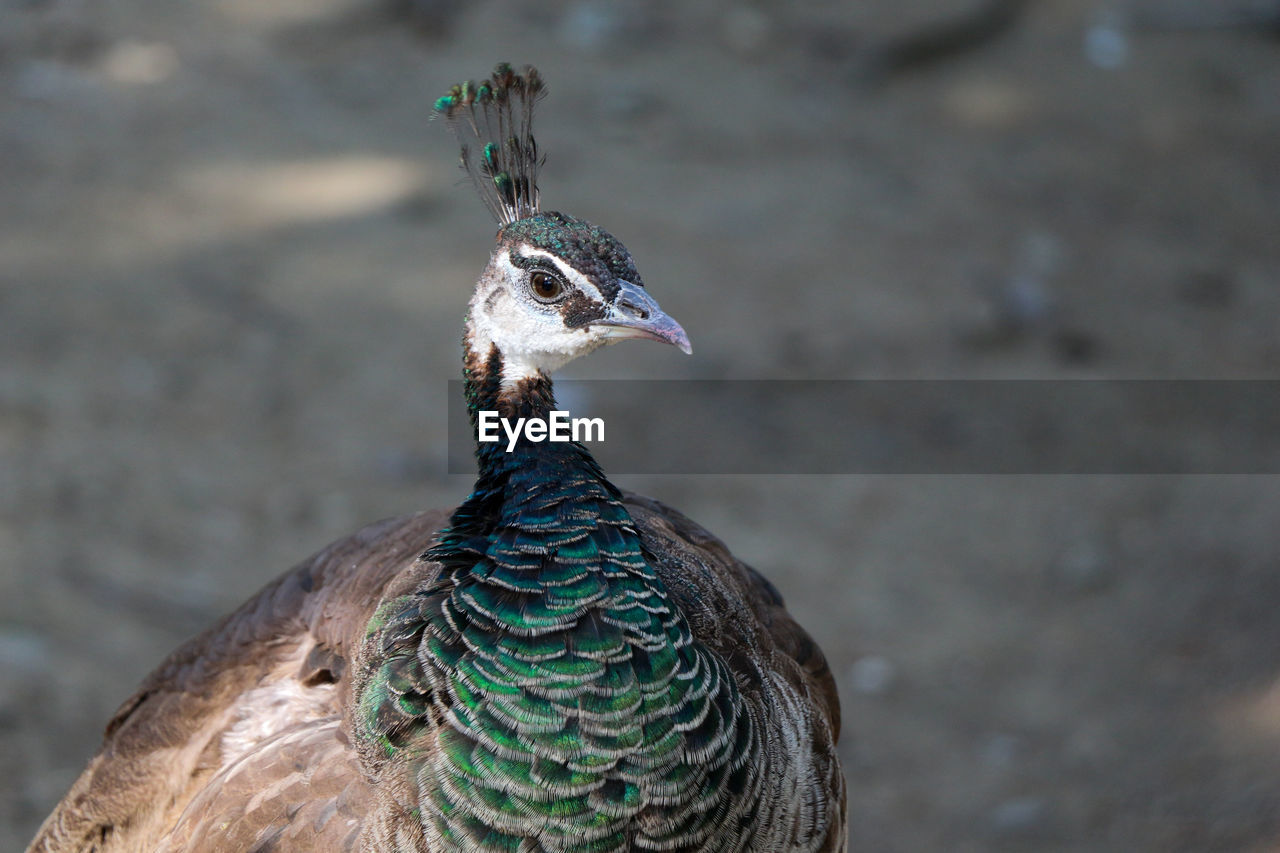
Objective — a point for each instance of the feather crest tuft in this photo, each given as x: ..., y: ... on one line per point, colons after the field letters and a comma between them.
x: 493, y: 122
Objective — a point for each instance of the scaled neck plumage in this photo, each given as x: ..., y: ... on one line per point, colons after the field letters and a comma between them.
x: 569, y: 692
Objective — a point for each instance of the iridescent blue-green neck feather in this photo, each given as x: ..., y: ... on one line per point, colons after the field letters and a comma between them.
x: 544, y: 692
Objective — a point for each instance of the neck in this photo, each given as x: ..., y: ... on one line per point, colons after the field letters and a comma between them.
x: 487, y: 388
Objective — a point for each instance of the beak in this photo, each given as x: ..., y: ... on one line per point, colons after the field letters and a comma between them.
x: 635, y: 314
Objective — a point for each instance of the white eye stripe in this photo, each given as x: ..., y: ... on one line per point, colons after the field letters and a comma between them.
x: 571, y: 275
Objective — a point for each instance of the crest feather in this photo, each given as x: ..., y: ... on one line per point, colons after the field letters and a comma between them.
x: 493, y: 122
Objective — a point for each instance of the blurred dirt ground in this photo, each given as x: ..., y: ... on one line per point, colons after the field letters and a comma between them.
x: 234, y: 258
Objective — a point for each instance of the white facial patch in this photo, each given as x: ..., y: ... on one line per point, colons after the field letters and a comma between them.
x: 531, y: 336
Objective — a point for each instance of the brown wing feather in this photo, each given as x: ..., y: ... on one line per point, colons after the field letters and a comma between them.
x: 300, y: 790
x: 164, y: 746
x: 237, y: 741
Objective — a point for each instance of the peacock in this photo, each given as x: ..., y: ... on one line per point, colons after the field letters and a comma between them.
x: 553, y: 666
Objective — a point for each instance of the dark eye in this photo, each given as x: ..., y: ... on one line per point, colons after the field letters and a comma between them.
x: 545, y: 286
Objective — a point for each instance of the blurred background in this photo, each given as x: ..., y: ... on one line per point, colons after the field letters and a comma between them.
x: 235, y: 256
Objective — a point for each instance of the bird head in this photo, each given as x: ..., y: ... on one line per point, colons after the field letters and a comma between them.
x: 557, y: 288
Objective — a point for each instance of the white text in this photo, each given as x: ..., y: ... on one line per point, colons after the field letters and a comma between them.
x: 558, y: 427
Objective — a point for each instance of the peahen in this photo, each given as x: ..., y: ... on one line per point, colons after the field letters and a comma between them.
x: 554, y: 666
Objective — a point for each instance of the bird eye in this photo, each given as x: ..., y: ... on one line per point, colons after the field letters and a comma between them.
x: 545, y: 286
